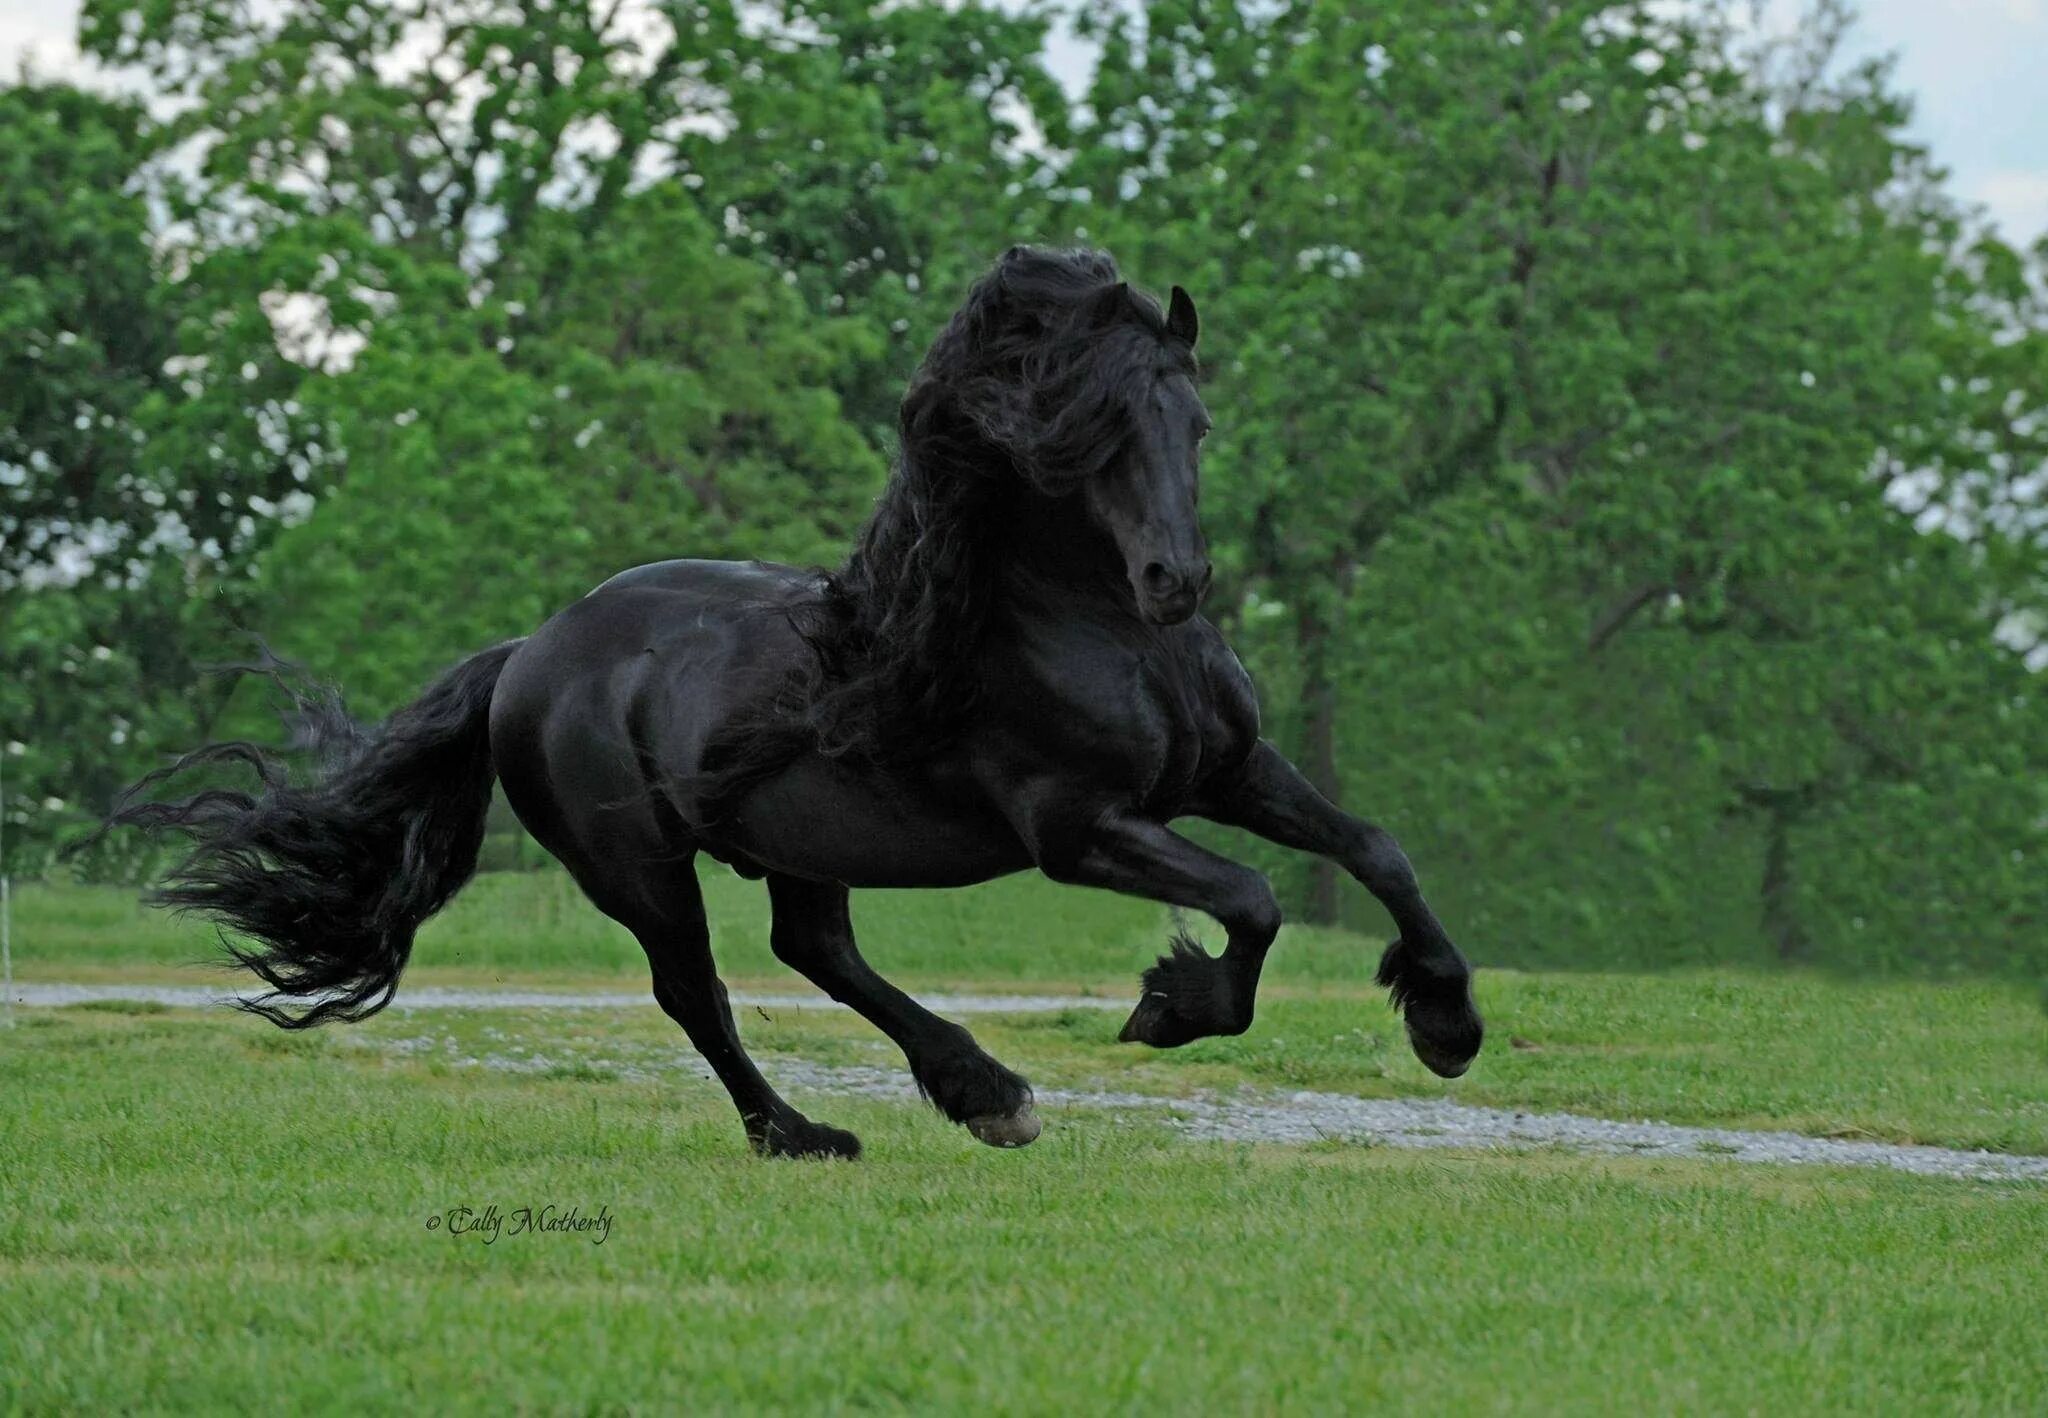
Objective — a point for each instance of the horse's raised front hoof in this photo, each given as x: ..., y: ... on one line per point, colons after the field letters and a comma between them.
x: 1187, y: 997
x: 1018, y: 1129
x: 1441, y: 1062
x: 798, y: 1136
x: 1156, y: 1022
x: 1444, y: 1027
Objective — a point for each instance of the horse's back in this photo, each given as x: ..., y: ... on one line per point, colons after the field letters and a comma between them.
x: 725, y: 582
x: 644, y: 627
x: 603, y: 717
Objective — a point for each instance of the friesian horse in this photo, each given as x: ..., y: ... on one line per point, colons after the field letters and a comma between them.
x: 1008, y: 672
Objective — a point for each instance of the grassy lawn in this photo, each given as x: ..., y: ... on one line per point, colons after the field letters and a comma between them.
x: 1963, y: 1064
x: 538, y: 926
x: 199, y: 1212
x: 203, y: 1213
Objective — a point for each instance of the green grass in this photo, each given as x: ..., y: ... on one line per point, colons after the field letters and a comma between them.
x: 537, y: 924
x: 1962, y: 1064
x: 200, y: 1213
x: 1018, y: 931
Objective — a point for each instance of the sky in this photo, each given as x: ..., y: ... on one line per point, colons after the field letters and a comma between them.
x: 1979, y: 69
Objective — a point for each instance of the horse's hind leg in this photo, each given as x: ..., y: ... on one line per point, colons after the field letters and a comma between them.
x: 774, y: 1128
x: 668, y: 919
x: 813, y: 935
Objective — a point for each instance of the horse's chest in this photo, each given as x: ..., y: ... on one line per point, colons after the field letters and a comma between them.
x: 1144, y: 721
x: 1202, y: 723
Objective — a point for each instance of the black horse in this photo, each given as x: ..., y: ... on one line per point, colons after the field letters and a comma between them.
x: 1008, y: 672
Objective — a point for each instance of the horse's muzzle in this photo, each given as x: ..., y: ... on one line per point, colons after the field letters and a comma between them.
x: 1171, y: 610
x: 1168, y: 596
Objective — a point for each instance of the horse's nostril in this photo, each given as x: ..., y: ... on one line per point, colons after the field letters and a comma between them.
x: 1159, y: 581
x: 1202, y: 581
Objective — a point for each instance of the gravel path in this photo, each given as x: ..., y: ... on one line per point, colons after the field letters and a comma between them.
x: 1258, y: 1115
x: 1248, y: 1115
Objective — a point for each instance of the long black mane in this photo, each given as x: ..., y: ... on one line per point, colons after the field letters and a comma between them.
x: 1027, y: 389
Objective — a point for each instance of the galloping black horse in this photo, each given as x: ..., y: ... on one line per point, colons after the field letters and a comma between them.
x: 1008, y: 672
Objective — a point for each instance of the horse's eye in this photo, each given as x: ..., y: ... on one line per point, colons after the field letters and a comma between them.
x: 1202, y: 430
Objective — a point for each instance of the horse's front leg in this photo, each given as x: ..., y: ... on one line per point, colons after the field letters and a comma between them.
x: 1429, y: 978
x: 1189, y: 994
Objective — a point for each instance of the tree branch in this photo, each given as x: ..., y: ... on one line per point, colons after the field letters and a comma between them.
x: 1612, y: 621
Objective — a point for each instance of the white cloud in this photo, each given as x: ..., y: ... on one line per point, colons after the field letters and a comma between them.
x: 40, y: 36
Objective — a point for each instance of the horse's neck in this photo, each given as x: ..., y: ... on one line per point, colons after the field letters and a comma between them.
x: 1051, y: 560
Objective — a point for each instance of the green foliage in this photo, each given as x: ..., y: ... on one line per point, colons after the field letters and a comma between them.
x: 1615, y: 328
x: 92, y: 525
x: 877, y: 156
x: 83, y: 331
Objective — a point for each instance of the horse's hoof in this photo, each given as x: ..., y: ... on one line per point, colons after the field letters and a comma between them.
x: 1446, y: 1046
x: 1438, y: 1061
x: 802, y: 1138
x: 1187, y: 996
x: 1155, y: 1022
x: 1018, y: 1129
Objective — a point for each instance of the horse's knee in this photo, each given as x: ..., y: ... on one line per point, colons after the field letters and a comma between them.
x: 1382, y: 866
x: 1253, y: 911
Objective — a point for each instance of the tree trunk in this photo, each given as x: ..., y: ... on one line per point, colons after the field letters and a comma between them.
x: 1780, y: 916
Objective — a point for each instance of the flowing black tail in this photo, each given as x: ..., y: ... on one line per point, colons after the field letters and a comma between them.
x: 325, y: 883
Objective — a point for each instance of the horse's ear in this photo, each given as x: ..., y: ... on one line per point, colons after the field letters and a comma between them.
x: 1180, y: 318
x: 1110, y: 303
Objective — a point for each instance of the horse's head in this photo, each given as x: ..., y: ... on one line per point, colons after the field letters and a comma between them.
x: 1145, y: 497
x: 1056, y: 371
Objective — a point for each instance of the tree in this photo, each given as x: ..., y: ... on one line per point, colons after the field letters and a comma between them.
x: 516, y: 358
x: 489, y: 479
x: 84, y: 333
x: 878, y: 156
x: 91, y: 532
x: 1599, y: 296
